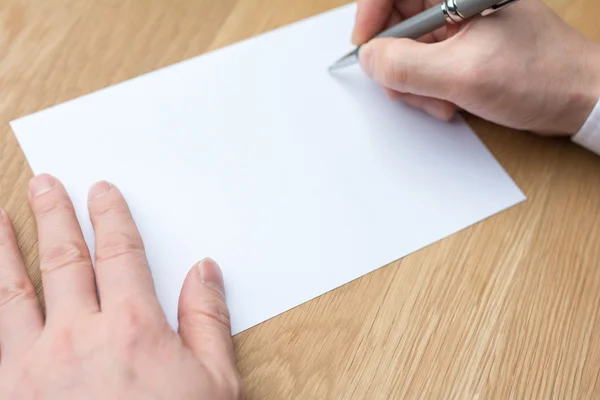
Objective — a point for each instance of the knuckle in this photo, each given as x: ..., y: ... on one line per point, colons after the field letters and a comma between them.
x: 63, y: 254
x: 65, y: 347
x: 136, y: 321
x: 234, y: 388
x: 112, y: 204
x: 140, y: 329
x: 476, y: 80
x: 393, y: 73
x: 5, y: 240
x: 230, y: 384
x: 388, y: 70
x: 116, y: 245
x: 62, y: 344
x: 14, y: 289
x: 51, y: 206
x: 479, y: 78
x: 213, y: 312
x: 237, y: 388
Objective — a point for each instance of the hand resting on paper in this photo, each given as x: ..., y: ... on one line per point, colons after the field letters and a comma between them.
x: 121, y: 347
x: 522, y: 67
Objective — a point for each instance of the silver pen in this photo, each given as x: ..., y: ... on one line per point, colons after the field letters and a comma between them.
x: 449, y: 12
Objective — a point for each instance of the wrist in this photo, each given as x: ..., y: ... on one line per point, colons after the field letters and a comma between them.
x: 583, y: 97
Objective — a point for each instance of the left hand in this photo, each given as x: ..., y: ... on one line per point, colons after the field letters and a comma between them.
x: 122, y: 346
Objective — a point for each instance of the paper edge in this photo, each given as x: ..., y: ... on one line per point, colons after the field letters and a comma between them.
x: 495, y: 214
x: 182, y: 62
x: 15, y: 122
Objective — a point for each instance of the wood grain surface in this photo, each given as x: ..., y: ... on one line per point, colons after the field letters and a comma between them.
x: 505, y: 309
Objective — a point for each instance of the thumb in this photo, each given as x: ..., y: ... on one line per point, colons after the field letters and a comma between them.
x: 204, y: 322
x: 408, y: 66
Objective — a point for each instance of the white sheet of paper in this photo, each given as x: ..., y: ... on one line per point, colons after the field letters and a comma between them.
x: 294, y: 180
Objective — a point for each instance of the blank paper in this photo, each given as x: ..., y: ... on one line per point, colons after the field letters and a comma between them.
x: 295, y: 180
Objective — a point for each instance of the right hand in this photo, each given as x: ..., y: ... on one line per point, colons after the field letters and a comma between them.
x: 522, y: 67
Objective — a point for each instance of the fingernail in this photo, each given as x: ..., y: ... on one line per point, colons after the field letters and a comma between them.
x: 353, y: 38
x: 210, y: 274
x: 41, y: 184
x: 366, y: 58
x: 99, y: 189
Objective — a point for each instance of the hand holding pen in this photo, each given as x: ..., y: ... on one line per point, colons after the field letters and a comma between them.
x: 522, y: 67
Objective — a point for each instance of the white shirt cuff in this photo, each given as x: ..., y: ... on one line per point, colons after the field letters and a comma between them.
x: 589, y: 134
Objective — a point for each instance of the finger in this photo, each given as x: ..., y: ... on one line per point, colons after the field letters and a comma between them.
x: 67, y: 273
x: 204, y: 323
x: 122, y: 270
x: 439, y: 34
x: 440, y: 109
x: 451, y: 30
x: 392, y: 94
x: 404, y: 10
x: 409, y: 66
x: 396, y: 17
x: 393, y: 19
x: 410, y: 8
x: 21, y: 319
x: 371, y: 16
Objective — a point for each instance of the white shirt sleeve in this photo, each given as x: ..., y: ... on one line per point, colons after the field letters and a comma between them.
x: 589, y: 134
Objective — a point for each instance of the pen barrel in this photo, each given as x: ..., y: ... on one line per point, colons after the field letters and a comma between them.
x: 434, y: 18
x: 470, y: 8
x: 417, y: 26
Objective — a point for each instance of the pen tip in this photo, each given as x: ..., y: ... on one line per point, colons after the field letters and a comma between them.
x: 344, y: 62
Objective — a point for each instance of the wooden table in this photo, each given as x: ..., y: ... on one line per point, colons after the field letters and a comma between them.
x: 505, y: 309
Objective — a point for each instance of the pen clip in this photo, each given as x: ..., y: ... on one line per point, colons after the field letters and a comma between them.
x: 498, y: 6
